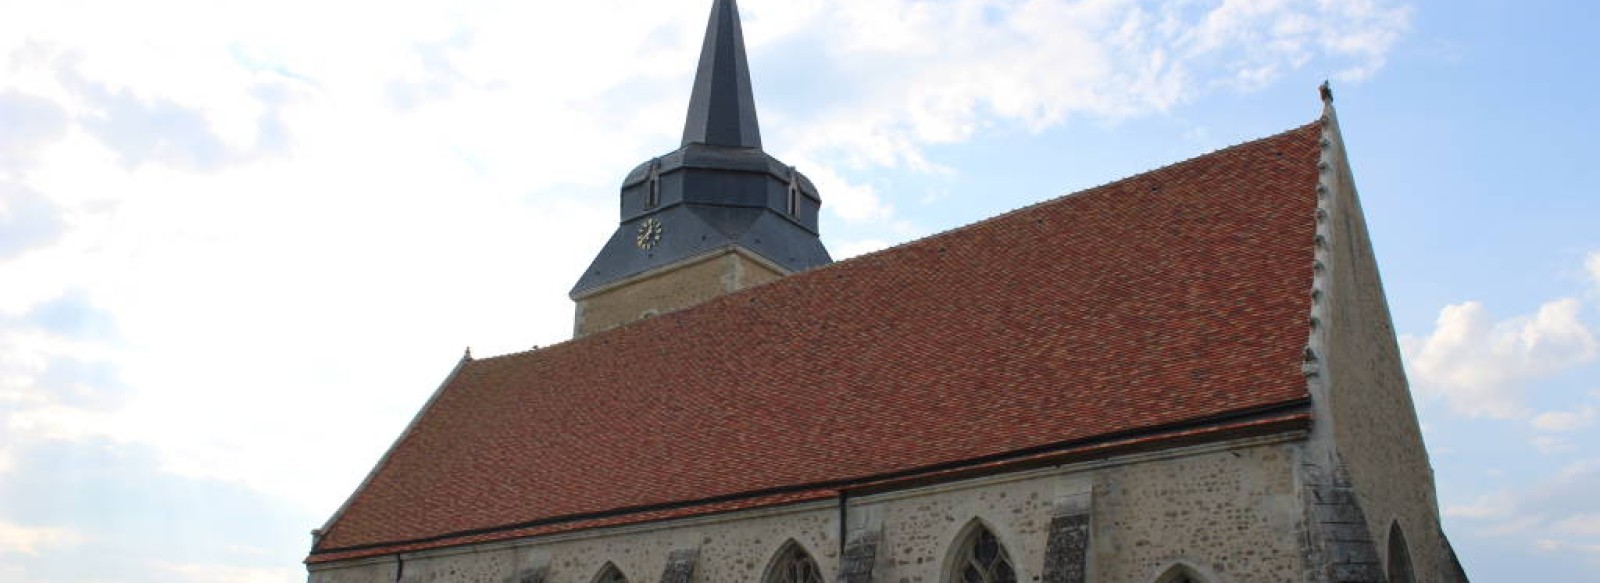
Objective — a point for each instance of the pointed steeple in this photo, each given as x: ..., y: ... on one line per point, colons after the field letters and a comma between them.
x: 718, y: 203
x: 722, y: 109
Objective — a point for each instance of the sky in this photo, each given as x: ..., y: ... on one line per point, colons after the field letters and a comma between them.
x: 242, y: 242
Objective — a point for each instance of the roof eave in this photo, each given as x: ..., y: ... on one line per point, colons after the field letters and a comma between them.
x: 1292, y: 417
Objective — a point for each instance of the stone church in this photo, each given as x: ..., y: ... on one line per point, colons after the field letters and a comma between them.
x: 1189, y: 375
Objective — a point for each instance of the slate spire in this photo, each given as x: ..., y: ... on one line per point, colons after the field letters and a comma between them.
x: 722, y: 108
x: 718, y: 194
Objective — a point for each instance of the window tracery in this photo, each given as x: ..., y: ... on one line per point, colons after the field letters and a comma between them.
x: 794, y: 565
x: 984, y: 560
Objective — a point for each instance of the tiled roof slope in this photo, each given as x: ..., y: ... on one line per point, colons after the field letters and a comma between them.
x: 1175, y: 295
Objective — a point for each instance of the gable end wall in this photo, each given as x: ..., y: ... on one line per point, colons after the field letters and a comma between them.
x: 1366, y: 426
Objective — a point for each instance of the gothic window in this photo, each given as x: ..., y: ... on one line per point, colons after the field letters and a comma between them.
x: 1399, y: 557
x: 793, y: 565
x: 610, y: 574
x: 982, y: 559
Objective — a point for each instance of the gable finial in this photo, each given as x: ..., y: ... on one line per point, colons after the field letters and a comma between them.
x: 722, y: 108
x: 1327, y: 92
x: 468, y: 354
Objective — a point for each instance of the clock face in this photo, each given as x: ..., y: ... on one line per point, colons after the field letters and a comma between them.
x: 649, y: 234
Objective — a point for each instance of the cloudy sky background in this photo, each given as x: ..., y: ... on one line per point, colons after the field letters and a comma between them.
x: 241, y: 242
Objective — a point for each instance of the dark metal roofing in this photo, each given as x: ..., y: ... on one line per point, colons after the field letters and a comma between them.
x: 719, y: 190
x: 722, y: 109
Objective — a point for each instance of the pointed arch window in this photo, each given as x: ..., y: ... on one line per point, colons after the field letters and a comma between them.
x: 610, y: 574
x: 1399, y: 556
x: 793, y: 565
x: 982, y: 559
x: 1179, y: 574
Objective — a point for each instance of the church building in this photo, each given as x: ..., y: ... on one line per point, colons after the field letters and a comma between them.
x: 1188, y: 375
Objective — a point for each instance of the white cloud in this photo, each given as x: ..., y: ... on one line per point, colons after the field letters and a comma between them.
x: 1492, y: 506
x: 1556, y: 514
x: 1551, y: 444
x: 1481, y: 367
x: 1579, y: 525
x: 209, y: 573
x: 1556, y: 546
x: 937, y: 73
x: 851, y: 202
x: 207, y: 274
x: 42, y: 397
x: 1565, y: 421
x: 34, y: 540
x: 1560, y: 503
x: 1594, y: 267
x: 1512, y: 526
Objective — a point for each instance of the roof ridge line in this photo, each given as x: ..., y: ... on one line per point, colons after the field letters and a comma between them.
x: 947, y: 232
x: 1060, y: 197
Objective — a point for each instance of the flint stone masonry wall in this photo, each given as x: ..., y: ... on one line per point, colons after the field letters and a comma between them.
x: 676, y: 288
x: 1229, y: 511
x: 1236, y: 515
x: 729, y: 550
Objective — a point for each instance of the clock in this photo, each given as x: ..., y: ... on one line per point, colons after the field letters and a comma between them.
x: 649, y: 234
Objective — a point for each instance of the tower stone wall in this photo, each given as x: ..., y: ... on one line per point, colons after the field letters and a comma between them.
x: 670, y: 289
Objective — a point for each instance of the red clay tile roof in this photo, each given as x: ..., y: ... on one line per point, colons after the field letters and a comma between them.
x: 1175, y: 296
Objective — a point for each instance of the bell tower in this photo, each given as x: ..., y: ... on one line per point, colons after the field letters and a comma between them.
x: 714, y: 216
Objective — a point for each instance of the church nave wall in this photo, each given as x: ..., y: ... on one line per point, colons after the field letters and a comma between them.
x: 1231, y: 513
